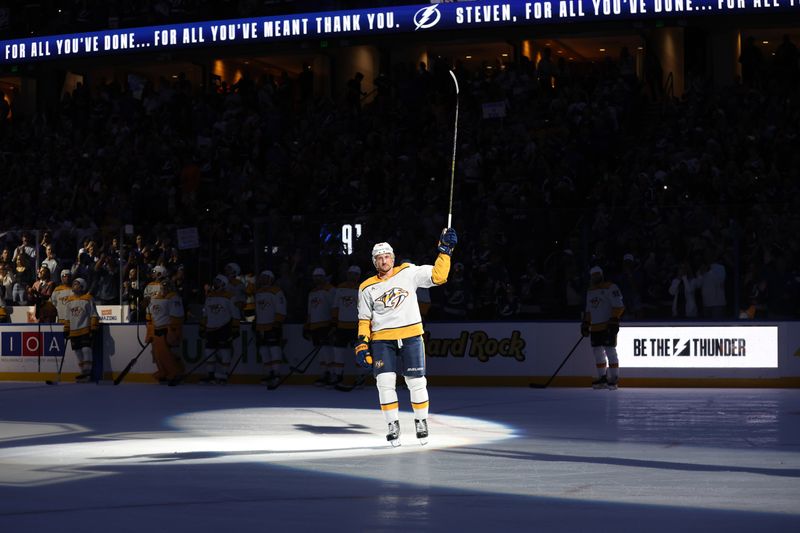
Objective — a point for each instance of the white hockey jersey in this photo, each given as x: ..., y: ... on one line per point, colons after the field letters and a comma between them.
x: 320, y: 303
x: 81, y: 316
x: 59, y: 300
x: 270, y: 307
x: 603, y: 301
x: 345, y: 305
x: 388, y: 309
x: 165, y: 311
x: 219, y: 311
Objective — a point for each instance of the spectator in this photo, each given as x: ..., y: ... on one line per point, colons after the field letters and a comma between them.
x: 712, y: 285
x: 23, y: 279
x: 39, y: 295
x: 683, y: 289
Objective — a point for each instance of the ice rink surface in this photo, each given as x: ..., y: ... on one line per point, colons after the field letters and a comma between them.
x: 149, y: 458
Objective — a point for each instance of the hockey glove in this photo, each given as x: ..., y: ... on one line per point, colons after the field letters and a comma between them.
x: 585, y: 329
x: 613, y: 325
x: 363, y: 355
x: 447, y: 241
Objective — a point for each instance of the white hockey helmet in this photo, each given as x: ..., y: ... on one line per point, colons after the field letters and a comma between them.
x: 596, y: 270
x: 380, y: 249
x: 81, y: 283
x: 266, y: 277
x: 232, y: 269
x: 318, y: 272
x: 66, y: 272
x: 160, y: 271
x: 220, y: 282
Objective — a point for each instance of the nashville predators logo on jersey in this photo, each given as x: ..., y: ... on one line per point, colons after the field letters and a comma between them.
x: 393, y: 298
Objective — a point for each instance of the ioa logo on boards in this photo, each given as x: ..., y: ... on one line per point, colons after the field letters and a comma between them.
x: 33, y: 343
x: 477, y: 344
x: 427, y: 17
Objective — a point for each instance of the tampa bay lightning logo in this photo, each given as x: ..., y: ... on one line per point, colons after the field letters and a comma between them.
x: 427, y: 17
x: 393, y: 297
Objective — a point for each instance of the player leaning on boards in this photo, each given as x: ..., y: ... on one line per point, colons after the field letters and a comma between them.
x: 390, y: 330
x: 604, y: 308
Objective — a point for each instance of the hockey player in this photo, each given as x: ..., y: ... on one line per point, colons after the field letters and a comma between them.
x: 236, y: 287
x: 250, y: 284
x: 604, y: 308
x: 270, y: 313
x: 61, y: 294
x: 81, y: 323
x: 345, y: 319
x: 165, y: 320
x: 153, y: 287
x: 219, y: 327
x: 317, y: 328
x: 390, y: 329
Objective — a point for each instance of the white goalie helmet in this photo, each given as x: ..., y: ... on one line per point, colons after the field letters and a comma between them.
x: 380, y: 249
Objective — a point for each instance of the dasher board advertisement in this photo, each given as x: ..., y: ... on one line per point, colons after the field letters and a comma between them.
x: 698, y: 347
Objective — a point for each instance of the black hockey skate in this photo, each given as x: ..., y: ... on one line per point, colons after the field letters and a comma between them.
x: 612, y: 384
x: 422, y: 431
x: 83, y: 377
x: 394, y: 433
x: 323, y: 380
x: 601, y: 383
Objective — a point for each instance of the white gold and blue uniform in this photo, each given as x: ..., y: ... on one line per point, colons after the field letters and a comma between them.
x: 390, y: 330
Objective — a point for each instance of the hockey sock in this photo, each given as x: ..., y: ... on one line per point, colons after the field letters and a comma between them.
x: 600, y: 359
x: 613, y: 364
x: 418, y: 389
x: 211, y: 363
x: 387, y: 395
x: 224, y: 363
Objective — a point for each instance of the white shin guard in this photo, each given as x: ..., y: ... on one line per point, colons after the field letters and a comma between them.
x: 387, y: 395
x: 418, y: 389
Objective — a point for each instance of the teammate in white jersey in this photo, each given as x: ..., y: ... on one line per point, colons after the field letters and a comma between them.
x: 270, y: 312
x: 318, y: 327
x: 604, y: 308
x: 390, y: 329
x: 345, y: 318
x: 219, y: 327
x: 61, y: 294
x: 81, y: 323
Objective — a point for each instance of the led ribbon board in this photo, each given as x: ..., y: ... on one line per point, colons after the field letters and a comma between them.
x: 417, y: 19
x: 698, y: 347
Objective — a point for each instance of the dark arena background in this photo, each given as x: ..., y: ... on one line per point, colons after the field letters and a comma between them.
x: 273, y: 143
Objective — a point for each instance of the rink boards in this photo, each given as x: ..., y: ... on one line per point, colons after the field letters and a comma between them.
x: 470, y: 353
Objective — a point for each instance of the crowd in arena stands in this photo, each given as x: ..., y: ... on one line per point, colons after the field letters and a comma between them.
x: 690, y: 204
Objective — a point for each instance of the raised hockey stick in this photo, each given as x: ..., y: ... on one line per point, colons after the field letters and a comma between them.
x: 121, y: 376
x: 539, y: 385
x: 453, y: 164
x: 308, y: 359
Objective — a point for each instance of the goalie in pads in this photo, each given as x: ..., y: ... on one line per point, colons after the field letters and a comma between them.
x: 390, y: 329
